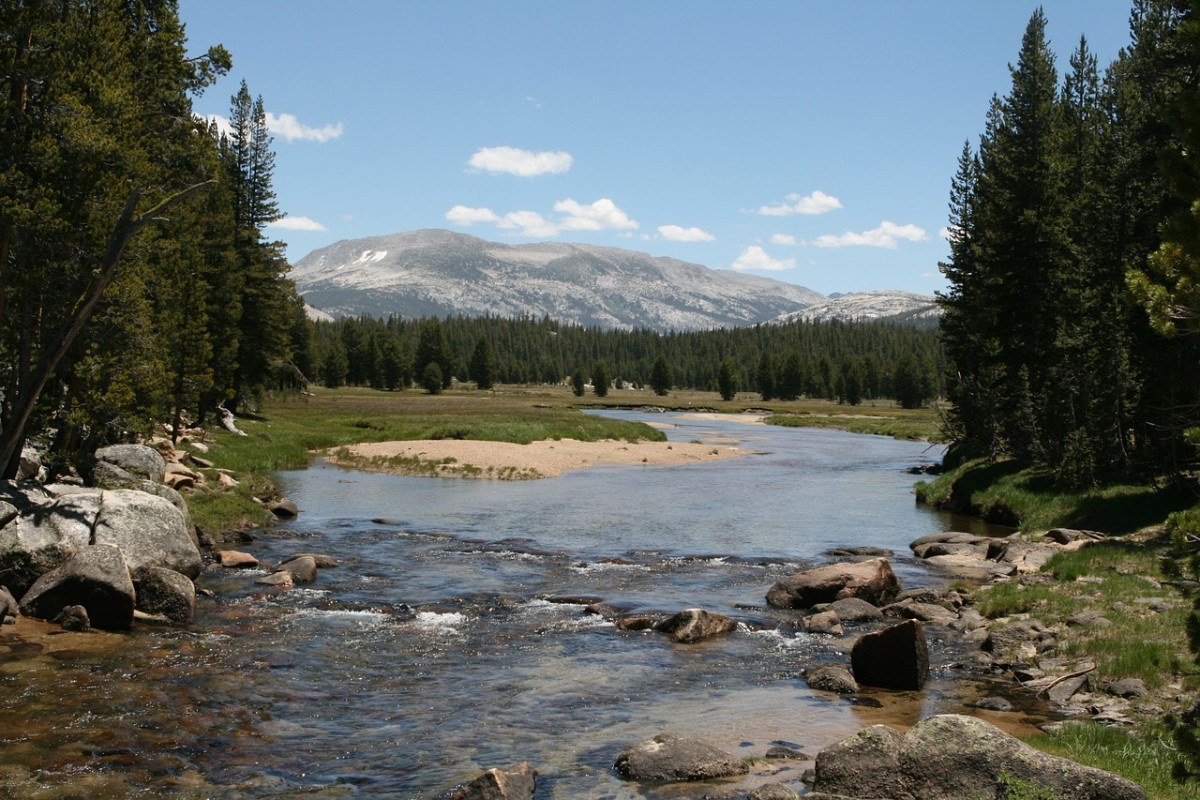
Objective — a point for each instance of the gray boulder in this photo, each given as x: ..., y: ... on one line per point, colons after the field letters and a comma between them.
x: 167, y: 593
x: 517, y: 783
x: 670, y: 758
x: 1016, y: 640
x: 872, y: 581
x: 826, y: 622
x: 949, y: 757
x: 303, y: 568
x: 149, y: 530
x: 772, y: 791
x: 136, y: 460
x: 694, y: 624
x: 893, y: 658
x: 24, y: 495
x: 853, y: 609
x: 41, y: 538
x: 831, y: 678
x: 96, y: 578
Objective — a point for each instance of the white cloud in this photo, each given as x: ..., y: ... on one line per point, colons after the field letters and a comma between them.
x: 887, y: 235
x: 785, y: 239
x: 816, y: 203
x: 754, y: 257
x: 677, y: 233
x: 523, y: 163
x: 466, y: 216
x: 528, y: 223
x: 598, y: 216
x: 290, y: 128
x: 285, y: 125
x: 297, y: 224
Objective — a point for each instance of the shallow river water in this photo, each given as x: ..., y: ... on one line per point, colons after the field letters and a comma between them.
x: 441, y: 646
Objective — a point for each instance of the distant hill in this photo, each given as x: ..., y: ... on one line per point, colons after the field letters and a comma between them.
x: 437, y: 273
x: 891, y: 304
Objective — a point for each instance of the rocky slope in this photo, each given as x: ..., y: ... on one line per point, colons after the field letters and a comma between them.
x: 437, y: 272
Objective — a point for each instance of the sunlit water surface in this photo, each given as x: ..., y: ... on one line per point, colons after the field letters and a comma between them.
x: 440, y: 646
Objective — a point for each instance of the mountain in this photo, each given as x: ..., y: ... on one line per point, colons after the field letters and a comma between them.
x: 437, y: 273
x: 890, y: 304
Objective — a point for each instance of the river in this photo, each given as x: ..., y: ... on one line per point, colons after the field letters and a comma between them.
x: 440, y: 646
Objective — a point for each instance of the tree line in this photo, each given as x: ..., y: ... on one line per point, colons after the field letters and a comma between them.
x: 1068, y: 325
x: 136, y: 279
x: 845, y: 361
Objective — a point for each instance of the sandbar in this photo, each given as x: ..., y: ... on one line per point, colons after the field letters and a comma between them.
x: 468, y: 458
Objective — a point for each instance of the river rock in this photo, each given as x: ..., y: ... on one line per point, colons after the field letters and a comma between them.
x: 279, y: 580
x: 853, y: 609
x: 925, y: 612
x: 871, y: 580
x: 284, y: 509
x: 74, y: 618
x: 8, y: 605
x: 137, y: 460
x: 167, y: 593
x: 831, y: 678
x: 772, y: 791
x: 517, y: 783
x: 671, y: 758
x: 893, y: 658
x: 1024, y: 556
x: 236, y: 559
x: 825, y: 622
x: 992, y: 704
x: 149, y: 530
x: 41, y: 538
x: 950, y: 757
x: 695, y: 624
x: 303, y: 568
x: 1129, y: 687
x: 96, y: 577
x: 328, y: 562
x: 1017, y: 640
x: 919, y: 546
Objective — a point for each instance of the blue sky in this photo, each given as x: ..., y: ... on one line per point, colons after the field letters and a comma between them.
x: 811, y: 142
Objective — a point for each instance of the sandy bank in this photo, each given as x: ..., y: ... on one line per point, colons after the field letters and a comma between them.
x: 506, y: 461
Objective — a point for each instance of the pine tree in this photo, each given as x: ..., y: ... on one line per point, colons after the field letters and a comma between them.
x: 660, y: 376
x: 728, y: 379
x: 483, y: 365
x: 601, y: 377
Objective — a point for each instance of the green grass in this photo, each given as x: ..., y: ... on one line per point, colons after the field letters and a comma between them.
x: 879, y: 418
x: 1146, y: 758
x: 1007, y: 493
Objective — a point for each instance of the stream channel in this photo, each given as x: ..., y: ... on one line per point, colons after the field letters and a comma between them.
x: 434, y: 651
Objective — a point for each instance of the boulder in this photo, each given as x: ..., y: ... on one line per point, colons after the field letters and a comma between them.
x: 893, y: 658
x: 134, y: 459
x: 669, y: 758
x: 852, y: 609
x: 8, y: 604
x: 96, y: 578
x: 41, y: 538
x: 826, y: 622
x: 279, y: 580
x: 517, y: 783
x: 926, y: 612
x: 149, y: 530
x: 284, y: 509
x: 1129, y: 687
x: 303, y: 568
x: 1025, y: 556
x: 328, y: 562
x: 834, y: 678
x: 29, y: 465
x: 772, y: 791
x: 24, y: 495
x: 695, y: 624
x: 8, y: 512
x: 992, y: 704
x: 949, y: 757
x: 1017, y: 640
x: 236, y: 559
x: 919, y: 546
x: 872, y: 581
x: 74, y: 618
x: 167, y: 593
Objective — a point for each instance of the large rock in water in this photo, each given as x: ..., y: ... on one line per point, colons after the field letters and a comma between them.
x: 166, y: 592
x: 96, y: 578
x: 893, y: 658
x: 950, y: 757
x: 517, y: 783
x: 150, y: 531
x: 41, y: 538
x: 871, y: 580
x: 694, y: 624
x: 668, y: 757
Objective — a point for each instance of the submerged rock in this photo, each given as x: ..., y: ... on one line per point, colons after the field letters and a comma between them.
x: 668, y: 758
x: 835, y: 678
x: 695, y: 624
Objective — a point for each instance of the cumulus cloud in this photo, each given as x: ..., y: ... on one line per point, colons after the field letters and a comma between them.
x: 297, y: 224
x: 888, y: 235
x: 816, y: 203
x: 287, y: 126
x: 528, y: 223
x: 293, y: 130
x: 754, y: 257
x: 785, y: 239
x: 601, y: 215
x: 466, y: 216
x: 523, y: 163
x: 678, y: 233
